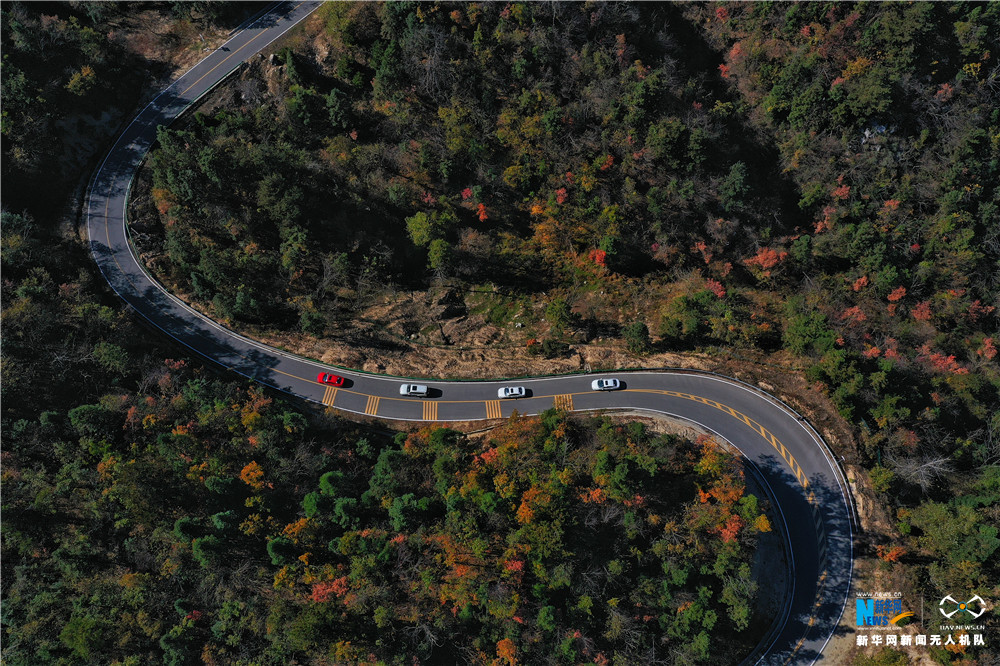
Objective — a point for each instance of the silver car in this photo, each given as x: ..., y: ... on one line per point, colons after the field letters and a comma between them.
x: 418, y: 390
x: 511, y: 392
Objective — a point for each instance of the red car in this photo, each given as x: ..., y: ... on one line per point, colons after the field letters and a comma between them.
x: 331, y: 380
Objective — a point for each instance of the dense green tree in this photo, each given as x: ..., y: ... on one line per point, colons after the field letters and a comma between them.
x: 636, y: 337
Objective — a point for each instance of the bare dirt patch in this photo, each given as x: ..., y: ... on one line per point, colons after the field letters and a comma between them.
x: 160, y: 38
x: 377, y: 342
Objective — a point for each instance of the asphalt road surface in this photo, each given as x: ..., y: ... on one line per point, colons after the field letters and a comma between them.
x: 809, y: 490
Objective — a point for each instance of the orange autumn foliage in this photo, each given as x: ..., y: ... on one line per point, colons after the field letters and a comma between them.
x: 253, y: 475
x: 292, y: 530
x: 525, y: 513
x: 853, y: 315
x: 887, y: 554
x: 507, y: 651
x: 826, y: 223
x: 595, y: 496
x: 942, y: 363
x: 923, y: 311
x: 163, y: 199
x: 702, y: 247
x: 323, y: 591
x: 731, y: 529
x: 106, y: 467
x: 533, y: 498
x: 715, y: 287
x: 766, y: 259
x: 762, y: 524
x: 728, y: 489
x: 514, y: 566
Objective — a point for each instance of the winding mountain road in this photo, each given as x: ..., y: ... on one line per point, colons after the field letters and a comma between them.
x: 808, y: 488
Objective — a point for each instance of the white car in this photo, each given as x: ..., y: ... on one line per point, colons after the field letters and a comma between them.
x: 418, y: 390
x: 605, y: 384
x: 511, y: 392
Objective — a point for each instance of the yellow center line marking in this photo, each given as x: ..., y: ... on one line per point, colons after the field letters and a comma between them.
x: 569, y: 396
x: 798, y: 646
x: 757, y: 427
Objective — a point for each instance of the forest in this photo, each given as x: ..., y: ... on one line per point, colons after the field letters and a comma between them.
x: 200, y: 520
x: 814, y: 181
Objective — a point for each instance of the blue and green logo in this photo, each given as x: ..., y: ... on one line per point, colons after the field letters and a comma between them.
x: 879, y: 612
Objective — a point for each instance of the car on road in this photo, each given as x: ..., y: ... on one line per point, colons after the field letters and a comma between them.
x: 610, y: 384
x: 418, y: 390
x: 330, y: 379
x: 511, y: 392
